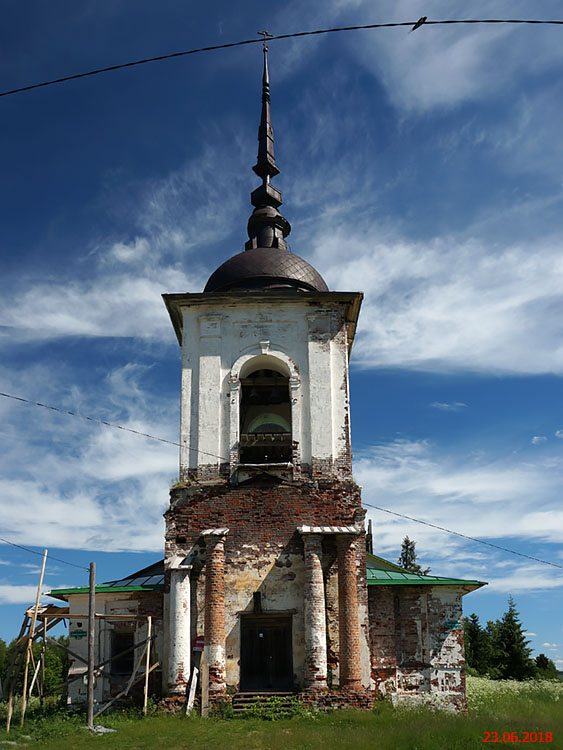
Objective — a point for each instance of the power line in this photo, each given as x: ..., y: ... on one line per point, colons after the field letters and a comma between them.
x: 111, y: 424
x: 465, y: 536
x: 295, y: 35
x: 268, y: 473
x: 34, y: 552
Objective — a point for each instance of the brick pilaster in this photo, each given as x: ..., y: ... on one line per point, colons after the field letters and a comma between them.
x: 214, y: 618
x: 315, y: 614
x: 349, y: 628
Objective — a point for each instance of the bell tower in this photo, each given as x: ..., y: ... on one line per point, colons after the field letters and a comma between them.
x: 265, y: 547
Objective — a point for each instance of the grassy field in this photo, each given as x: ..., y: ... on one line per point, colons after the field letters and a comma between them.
x: 493, y: 707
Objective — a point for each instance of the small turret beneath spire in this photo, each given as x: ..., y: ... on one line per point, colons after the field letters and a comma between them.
x: 267, y: 228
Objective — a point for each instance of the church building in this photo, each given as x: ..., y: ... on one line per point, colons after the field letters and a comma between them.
x: 265, y: 560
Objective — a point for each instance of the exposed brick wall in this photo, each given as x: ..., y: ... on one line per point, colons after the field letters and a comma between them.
x: 264, y: 552
x: 416, y: 643
x: 323, y: 699
x: 382, y: 637
x: 261, y: 513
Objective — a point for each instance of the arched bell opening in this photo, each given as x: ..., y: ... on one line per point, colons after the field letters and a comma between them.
x: 265, y: 418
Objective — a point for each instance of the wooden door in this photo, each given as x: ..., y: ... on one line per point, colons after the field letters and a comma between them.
x: 265, y: 654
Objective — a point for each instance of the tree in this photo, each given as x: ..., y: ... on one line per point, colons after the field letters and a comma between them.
x: 546, y: 667
x: 407, y: 558
x: 478, y: 647
x: 511, y: 654
x: 56, y: 663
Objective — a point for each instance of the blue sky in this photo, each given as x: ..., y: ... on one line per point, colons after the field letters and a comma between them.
x: 423, y: 169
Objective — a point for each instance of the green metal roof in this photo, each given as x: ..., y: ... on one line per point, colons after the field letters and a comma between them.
x: 147, y: 579
x: 380, y: 572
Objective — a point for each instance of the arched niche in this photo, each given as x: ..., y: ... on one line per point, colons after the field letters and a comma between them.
x: 265, y: 409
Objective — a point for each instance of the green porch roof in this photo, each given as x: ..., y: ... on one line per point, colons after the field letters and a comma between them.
x: 380, y: 572
x: 147, y: 579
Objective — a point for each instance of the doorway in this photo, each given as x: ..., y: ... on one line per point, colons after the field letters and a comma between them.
x: 266, y: 663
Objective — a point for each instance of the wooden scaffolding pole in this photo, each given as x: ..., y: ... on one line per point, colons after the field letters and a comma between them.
x: 147, y: 664
x: 43, y: 650
x: 30, y: 640
x: 91, y: 643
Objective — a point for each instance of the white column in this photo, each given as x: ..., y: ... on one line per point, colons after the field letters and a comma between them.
x: 180, y: 640
x: 315, y: 616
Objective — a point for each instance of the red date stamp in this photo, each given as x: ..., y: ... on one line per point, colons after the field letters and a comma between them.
x: 514, y: 737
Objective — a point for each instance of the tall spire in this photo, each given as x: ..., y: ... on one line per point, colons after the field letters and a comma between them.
x: 267, y: 228
x: 266, y: 164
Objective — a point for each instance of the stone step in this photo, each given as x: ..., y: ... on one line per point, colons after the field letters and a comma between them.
x: 243, y: 701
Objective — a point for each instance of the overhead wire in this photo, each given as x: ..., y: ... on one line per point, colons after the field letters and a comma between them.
x: 464, y: 536
x: 274, y: 37
x: 49, y: 557
x: 264, y: 471
x: 109, y: 424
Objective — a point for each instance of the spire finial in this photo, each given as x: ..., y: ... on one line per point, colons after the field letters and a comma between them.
x: 267, y: 228
x: 266, y: 166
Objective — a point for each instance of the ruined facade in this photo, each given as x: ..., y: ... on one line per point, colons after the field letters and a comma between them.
x: 265, y: 548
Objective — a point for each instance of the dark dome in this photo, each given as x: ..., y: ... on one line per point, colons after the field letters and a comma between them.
x: 263, y: 268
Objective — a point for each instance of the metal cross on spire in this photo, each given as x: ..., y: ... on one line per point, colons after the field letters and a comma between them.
x: 265, y: 36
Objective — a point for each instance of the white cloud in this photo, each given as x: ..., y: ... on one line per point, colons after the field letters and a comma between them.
x: 538, y: 439
x: 528, y: 633
x: 114, y: 305
x: 449, y: 304
x: 126, y: 252
x: 442, y: 66
x: 559, y: 434
x: 453, y: 406
x: 69, y: 483
x: 480, y: 498
x: 523, y: 579
x: 15, y: 594
x: 113, y: 287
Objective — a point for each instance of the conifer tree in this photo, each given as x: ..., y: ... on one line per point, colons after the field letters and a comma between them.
x: 478, y: 648
x: 511, y: 654
x: 407, y: 558
x: 546, y: 667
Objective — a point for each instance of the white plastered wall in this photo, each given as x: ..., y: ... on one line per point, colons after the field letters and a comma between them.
x: 304, y: 341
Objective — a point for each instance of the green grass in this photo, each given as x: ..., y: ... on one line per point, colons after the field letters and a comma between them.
x: 500, y: 707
